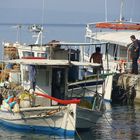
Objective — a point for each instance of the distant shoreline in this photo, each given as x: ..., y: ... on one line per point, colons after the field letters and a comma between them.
x: 47, y: 24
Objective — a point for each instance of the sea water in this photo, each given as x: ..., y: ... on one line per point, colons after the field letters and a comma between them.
x: 119, y: 122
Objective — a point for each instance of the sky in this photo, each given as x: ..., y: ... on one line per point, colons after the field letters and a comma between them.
x: 65, y: 11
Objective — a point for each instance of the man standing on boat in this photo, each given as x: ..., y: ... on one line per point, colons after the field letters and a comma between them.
x: 134, y: 54
x: 96, y: 57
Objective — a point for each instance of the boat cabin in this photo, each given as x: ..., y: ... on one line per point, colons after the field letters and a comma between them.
x: 51, y: 66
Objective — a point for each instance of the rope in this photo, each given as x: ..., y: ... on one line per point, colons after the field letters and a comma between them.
x: 109, y: 121
x: 78, y: 135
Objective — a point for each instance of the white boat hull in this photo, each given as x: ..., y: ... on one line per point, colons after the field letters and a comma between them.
x: 61, y: 122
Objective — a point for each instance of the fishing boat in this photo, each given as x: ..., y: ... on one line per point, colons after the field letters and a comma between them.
x: 34, y: 112
x: 117, y: 36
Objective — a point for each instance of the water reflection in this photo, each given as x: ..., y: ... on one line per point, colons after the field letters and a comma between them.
x: 119, y: 123
x: 8, y: 134
x: 126, y: 122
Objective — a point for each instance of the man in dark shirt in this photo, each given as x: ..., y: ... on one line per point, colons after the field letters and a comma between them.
x: 134, y: 54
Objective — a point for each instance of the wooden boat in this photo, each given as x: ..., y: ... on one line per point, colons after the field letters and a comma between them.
x: 56, y: 120
x: 61, y: 66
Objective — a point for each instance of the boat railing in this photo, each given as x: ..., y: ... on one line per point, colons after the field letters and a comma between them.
x: 42, y: 108
x: 77, y: 89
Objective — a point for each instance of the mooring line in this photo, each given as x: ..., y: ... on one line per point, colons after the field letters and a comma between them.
x: 109, y: 121
x: 78, y: 135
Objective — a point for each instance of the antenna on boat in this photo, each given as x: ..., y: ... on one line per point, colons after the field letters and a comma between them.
x: 18, y: 27
x: 38, y: 29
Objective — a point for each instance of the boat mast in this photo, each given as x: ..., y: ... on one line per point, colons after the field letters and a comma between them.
x: 106, y: 10
x: 132, y: 10
x: 121, y: 10
x: 43, y: 10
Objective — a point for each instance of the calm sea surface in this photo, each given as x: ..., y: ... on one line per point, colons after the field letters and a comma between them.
x: 118, y: 123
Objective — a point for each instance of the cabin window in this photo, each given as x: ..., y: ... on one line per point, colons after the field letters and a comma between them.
x: 27, y: 54
x: 44, y: 55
